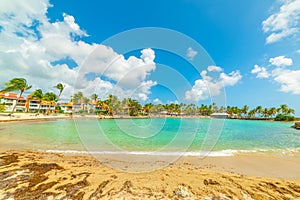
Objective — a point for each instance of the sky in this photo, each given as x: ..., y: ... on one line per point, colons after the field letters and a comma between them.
x: 231, y: 52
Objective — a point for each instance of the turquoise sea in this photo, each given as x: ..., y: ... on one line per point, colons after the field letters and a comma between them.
x: 158, y: 136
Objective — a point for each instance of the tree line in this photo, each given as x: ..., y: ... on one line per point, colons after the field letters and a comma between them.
x: 113, y: 106
x: 21, y: 85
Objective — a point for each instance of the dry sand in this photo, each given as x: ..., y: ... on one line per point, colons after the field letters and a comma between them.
x: 28, y: 117
x: 37, y: 175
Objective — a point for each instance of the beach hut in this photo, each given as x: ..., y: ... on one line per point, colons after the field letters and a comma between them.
x: 220, y: 115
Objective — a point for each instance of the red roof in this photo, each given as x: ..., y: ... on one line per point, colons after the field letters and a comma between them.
x: 10, y: 95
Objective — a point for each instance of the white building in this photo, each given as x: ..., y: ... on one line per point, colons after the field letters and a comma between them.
x: 9, y: 100
x: 220, y: 115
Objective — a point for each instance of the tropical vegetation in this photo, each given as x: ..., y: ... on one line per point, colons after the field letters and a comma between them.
x: 128, y: 106
x: 14, y: 84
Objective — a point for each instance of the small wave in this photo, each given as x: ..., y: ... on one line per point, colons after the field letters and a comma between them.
x: 221, y: 153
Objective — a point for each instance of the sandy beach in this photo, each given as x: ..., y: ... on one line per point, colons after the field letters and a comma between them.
x: 26, y: 174
x: 4, y: 117
x: 37, y: 175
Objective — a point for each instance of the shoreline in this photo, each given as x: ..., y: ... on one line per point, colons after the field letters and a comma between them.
x: 248, y: 164
x: 30, y: 117
x: 29, y: 174
x: 40, y: 117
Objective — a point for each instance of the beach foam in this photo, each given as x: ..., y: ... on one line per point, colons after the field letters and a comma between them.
x: 222, y: 153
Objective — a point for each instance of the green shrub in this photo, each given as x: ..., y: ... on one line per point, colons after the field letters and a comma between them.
x: 2, y: 108
x: 281, y: 117
x: 97, y: 112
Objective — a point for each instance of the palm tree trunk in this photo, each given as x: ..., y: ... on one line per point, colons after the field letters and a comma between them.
x: 39, y: 108
x: 18, y: 99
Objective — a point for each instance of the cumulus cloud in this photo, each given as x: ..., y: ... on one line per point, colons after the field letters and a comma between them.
x: 126, y: 72
x: 30, y: 44
x: 214, y: 68
x: 191, y: 53
x: 70, y: 21
x: 172, y: 102
x: 157, y: 101
x: 288, y: 79
x: 261, y: 72
x: 211, y: 85
x: 283, y: 23
x: 281, y: 61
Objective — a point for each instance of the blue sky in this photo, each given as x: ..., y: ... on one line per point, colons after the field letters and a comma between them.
x: 237, y: 35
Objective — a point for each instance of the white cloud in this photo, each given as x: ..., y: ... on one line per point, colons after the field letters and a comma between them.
x: 284, y: 23
x: 210, y: 85
x: 261, y: 72
x: 274, y: 37
x: 15, y: 12
x: 30, y: 43
x: 281, y: 61
x: 231, y: 79
x: 289, y: 80
x: 173, y: 102
x: 191, y: 53
x: 70, y: 21
x: 157, y: 101
x: 128, y: 73
x: 198, y: 92
x: 214, y: 68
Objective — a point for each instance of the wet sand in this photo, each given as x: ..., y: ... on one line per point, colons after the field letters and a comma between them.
x: 37, y: 175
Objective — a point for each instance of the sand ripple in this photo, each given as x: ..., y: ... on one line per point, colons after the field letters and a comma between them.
x: 32, y: 175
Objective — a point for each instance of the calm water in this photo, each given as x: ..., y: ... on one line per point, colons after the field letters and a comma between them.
x: 144, y: 135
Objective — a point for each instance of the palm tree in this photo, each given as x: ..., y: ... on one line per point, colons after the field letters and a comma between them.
x: 78, y: 98
x: 265, y: 112
x: 147, y: 107
x: 290, y: 111
x: 60, y: 87
x: 245, y: 109
x: 252, y: 112
x: 134, y: 107
x: 189, y: 109
x: 283, y: 109
x: 157, y: 108
x: 273, y: 111
x: 214, y: 107
x: 50, y: 97
x: 38, y: 94
x: 16, y: 84
x: 114, y: 104
x: 258, y: 110
x: 222, y: 109
x: 204, y: 110
x: 94, y: 97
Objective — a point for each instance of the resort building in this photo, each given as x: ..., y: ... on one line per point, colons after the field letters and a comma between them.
x: 84, y: 107
x: 220, y: 115
x: 66, y: 107
x: 33, y: 105
x: 47, y: 106
x: 9, y: 100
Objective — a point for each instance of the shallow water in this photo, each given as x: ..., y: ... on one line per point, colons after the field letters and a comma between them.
x: 166, y: 136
